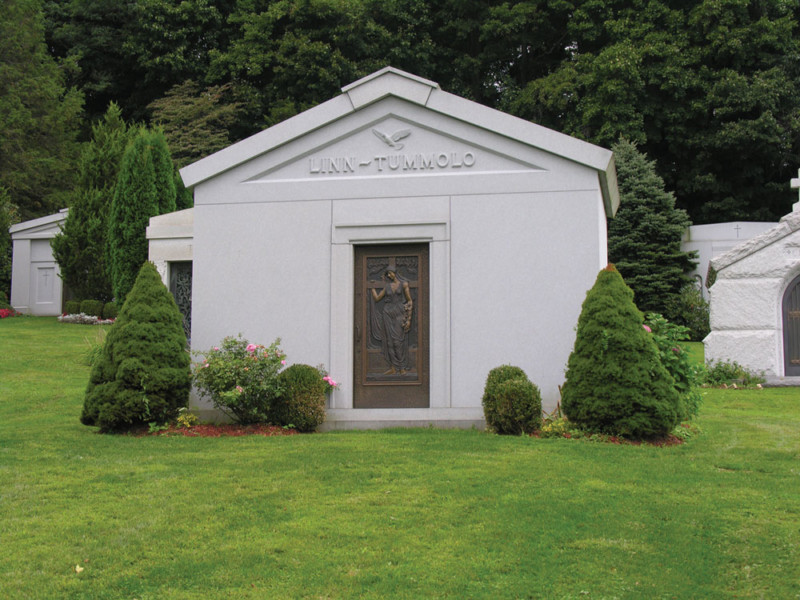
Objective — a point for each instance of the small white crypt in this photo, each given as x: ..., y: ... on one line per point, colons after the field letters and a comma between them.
x: 755, y: 301
x: 36, y: 286
x: 407, y: 239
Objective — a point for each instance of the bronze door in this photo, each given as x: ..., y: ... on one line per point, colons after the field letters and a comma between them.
x: 791, y: 329
x: 391, y: 365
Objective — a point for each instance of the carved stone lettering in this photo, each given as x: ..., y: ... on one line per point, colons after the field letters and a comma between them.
x: 392, y: 162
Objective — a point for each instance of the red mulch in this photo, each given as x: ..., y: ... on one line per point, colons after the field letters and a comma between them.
x: 228, y: 430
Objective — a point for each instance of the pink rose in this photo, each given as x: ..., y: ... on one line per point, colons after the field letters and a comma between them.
x: 647, y: 329
x: 251, y: 348
x: 239, y: 389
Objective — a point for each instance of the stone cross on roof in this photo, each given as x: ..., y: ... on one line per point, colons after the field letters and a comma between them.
x: 795, y: 183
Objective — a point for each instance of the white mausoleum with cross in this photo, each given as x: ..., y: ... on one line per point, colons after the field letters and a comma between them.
x: 755, y: 301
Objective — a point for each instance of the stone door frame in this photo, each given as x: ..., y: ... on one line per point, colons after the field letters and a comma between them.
x: 345, y: 237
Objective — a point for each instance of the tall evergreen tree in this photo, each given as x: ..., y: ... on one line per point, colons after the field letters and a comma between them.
x: 8, y: 217
x: 39, y: 116
x: 644, y: 238
x: 80, y: 248
x: 145, y: 185
x: 164, y: 172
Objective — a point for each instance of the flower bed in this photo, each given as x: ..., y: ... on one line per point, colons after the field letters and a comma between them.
x: 84, y: 319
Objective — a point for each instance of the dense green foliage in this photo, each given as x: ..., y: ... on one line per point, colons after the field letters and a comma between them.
x: 301, y: 404
x: 644, y: 238
x: 81, y: 246
x: 8, y: 217
x: 39, y: 115
x: 615, y: 382
x: 710, y: 90
x: 195, y: 122
x: 724, y: 373
x: 144, y: 373
x: 72, y: 307
x: 511, y: 403
x: 145, y: 187
x: 110, y: 310
x: 692, y: 311
x: 241, y: 379
x: 686, y: 375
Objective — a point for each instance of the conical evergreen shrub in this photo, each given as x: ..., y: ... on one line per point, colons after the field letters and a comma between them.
x: 143, y: 374
x: 615, y: 382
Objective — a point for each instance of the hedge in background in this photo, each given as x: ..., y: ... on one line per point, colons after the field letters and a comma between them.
x: 302, y: 401
x: 92, y: 307
x: 143, y: 375
x: 511, y: 403
x: 615, y: 382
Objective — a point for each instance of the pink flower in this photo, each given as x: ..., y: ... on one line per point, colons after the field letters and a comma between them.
x: 216, y: 348
x: 251, y: 348
x: 283, y: 362
x: 239, y: 389
x: 647, y: 329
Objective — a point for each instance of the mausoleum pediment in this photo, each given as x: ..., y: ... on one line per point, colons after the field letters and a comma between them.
x: 394, y: 146
x: 391, y: 123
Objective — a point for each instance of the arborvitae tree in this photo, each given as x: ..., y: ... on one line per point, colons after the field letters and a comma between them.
x: 615, y: 382
x: 164, y: 170
x: 644, y: 238
x: 80, y: 249
x: 145, y: 185
x: 143, y: 374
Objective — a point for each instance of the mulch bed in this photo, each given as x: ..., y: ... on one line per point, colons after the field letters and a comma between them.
x: 228, y: 430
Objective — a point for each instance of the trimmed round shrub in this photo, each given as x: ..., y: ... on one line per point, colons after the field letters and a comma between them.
x: 4, y: 301
x: 615, y: 382
x: 511, y: 403
x: 517, y: 407
x: 143, y: 374
x: 110, y: 310
x: 302, y: 402
x: 72, y: 307
x: 92, y: 307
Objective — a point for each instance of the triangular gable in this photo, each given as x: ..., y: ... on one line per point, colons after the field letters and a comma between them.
x: 42, y: 228
x: 787, y: 225
x: 392, y: 83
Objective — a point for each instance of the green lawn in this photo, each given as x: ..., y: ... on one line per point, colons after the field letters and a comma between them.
x: 392, y: 514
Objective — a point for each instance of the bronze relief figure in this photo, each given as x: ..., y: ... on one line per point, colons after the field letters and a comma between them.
x: 392, y: 322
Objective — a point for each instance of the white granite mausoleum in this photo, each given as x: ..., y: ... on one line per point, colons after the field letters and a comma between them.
x: 755, y: 301
x: 482, y: 230
x: 36, y: 286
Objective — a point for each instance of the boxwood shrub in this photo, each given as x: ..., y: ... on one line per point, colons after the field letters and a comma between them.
x: 92, y: 307
x: 512, y: 404
x: 302, y: 402
x: 110, y: 310
x: 72, y: 307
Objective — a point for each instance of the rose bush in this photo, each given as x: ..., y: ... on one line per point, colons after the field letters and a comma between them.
x: 241, y: 378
